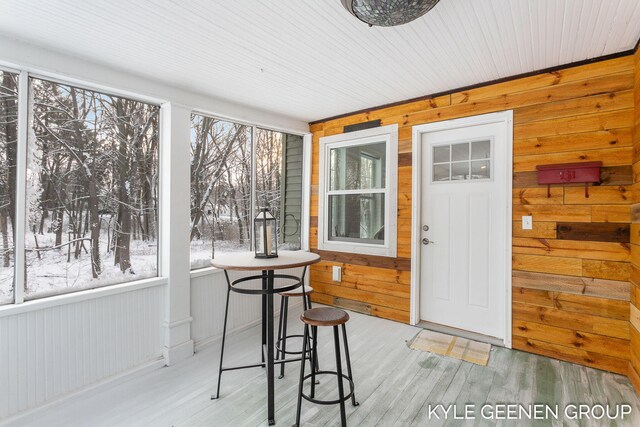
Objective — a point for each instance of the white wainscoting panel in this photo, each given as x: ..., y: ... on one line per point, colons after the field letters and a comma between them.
x: 208, y: 294
x: 51, y: 352
x: 48, y: 353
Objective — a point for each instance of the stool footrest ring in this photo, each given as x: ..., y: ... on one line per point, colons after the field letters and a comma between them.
x: 329, y: 402
x: 290, y: 351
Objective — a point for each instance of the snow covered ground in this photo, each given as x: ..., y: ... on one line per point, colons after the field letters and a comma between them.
x: 201, y: 251
x: 52, y: 274
x: 6, y: 285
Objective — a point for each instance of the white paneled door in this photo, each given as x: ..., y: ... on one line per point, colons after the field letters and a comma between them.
x: 463, y: 238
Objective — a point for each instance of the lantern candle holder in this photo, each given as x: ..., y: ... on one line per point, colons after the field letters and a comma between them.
x: 265, y: 235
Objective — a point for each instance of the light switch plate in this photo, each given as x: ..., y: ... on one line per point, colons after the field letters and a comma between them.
x: 527, y: 222
x: 337, y: 273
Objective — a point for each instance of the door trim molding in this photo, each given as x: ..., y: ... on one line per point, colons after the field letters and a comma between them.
x: 416, y: 163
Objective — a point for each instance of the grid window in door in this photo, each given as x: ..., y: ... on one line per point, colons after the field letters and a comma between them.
x: 461, y: 161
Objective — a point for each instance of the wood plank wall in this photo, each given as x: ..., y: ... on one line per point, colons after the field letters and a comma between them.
x: 570, y: 287
x: 634, y: 369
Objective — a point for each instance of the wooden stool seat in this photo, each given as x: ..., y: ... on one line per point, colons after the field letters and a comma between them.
x: 297, y: 292
x: 324, y: 316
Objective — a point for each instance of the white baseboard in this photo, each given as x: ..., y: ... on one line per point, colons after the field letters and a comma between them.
x: 178, y: 353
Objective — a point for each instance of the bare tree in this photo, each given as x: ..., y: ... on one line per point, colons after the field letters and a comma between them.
x: 8, y: 146
x: 220, y: 169
x: 96, y: 158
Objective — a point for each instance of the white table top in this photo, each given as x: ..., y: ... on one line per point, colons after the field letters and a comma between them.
x: 248, y: 260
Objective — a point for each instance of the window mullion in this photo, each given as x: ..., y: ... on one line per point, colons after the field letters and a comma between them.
x: 254, y: 187
x: 21, y: 184
x: 357, y: 191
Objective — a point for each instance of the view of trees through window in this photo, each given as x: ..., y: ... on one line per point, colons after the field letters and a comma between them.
x: 269, y: 171
x: 8, y: 147
x: 220, y: 188
x: 92, y: 189
x: 224, y: 196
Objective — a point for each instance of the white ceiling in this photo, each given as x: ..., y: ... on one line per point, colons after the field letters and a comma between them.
x: 310, y: 59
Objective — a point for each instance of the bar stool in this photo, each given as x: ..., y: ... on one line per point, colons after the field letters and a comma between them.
x: 326, y: 316
x: 281, y: 342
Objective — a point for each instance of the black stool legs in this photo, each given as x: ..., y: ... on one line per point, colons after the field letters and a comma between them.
x: 339, y: 375
x: 282, y: 331
x: 336, y: 340
x: 301, y: 382
x: 346, y: 352
x: 314, y: 361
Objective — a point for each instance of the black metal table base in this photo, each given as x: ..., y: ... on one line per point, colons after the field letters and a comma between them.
x: 257, y: 365
x: 267, y: 348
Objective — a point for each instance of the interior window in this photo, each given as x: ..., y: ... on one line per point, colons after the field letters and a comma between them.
x: 358, y: 192
x: 356, y: 199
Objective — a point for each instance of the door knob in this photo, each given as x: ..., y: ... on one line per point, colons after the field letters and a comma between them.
x: 426, y: 241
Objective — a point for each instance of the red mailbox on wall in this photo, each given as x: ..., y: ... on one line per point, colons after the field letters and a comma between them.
x: 567, y: 173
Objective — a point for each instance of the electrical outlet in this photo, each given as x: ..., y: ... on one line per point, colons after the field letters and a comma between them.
x: 527, y: 222
x: 337, y: 273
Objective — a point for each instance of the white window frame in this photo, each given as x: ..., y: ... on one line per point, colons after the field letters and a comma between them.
x: 24, y: 89
x: 388, y: 135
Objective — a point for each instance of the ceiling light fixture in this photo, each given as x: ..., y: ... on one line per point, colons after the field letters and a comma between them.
x: 388, y: 13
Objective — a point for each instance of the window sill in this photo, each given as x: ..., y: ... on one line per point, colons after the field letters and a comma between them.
x: 205, y: 271
x: 355, y: 248
x: 75, y: 297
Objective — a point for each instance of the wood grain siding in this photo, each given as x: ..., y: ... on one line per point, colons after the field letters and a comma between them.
x: 598, y: 232
x: 572, y: 270
x: 634, y: 369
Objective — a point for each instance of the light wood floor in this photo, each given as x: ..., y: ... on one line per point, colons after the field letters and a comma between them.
x: 394, y: 385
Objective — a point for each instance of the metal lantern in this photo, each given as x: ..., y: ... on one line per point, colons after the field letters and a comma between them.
x: 265, y: 235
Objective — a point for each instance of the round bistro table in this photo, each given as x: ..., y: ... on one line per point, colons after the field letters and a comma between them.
x: 246, y: 261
